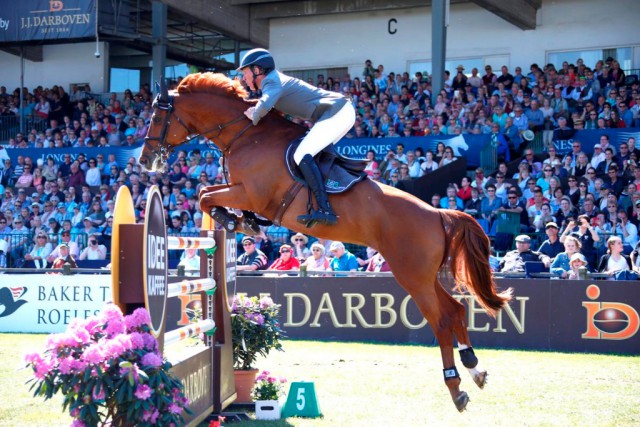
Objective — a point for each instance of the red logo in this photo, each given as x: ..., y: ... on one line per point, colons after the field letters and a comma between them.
x: 55, y: 6
x: 609, y: 320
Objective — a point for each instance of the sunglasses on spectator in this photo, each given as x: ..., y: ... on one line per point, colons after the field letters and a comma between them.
x: 298, y: 240
x: 285, y: 251
x: 247, y: 244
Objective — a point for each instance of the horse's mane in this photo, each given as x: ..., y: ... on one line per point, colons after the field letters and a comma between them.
x: 211, y: 83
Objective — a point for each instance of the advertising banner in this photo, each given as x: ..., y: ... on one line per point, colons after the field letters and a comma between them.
x: 23, y: 21
x: 45, y: 303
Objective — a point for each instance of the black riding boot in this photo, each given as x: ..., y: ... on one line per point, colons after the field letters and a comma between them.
x: 324, y: 214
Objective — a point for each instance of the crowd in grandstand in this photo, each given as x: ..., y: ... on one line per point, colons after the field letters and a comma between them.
x: 49, y: 208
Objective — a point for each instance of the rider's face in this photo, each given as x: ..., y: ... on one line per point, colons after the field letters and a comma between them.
x: 247, y: 76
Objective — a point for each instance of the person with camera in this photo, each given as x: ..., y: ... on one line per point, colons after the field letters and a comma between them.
x: 94, y: 251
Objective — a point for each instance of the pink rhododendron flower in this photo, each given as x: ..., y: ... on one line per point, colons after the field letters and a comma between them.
x: 93, y: 354
x: 143, y: 392
x: 137, y: 342
x: 266, y: 302
x: 174, y: 408
x: 78, y: 423
x: 151, y: 359
x: 137, y: 319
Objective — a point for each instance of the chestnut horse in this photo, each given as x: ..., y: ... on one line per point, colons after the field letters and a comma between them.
x: 414, y: 238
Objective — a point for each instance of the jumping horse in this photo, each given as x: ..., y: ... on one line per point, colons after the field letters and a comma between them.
x: 415, y: 239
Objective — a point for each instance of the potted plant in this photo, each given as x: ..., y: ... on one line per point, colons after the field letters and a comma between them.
x: 256, y: 331
x: 109, y: 371
x: 266, y: 392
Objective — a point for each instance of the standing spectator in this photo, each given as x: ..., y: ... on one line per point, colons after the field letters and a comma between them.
x: 93, y: 176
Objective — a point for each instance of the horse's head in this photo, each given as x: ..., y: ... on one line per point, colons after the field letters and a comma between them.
x: 162, y: 135
x: 203, y: 105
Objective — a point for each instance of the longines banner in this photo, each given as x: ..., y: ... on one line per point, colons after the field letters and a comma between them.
x: 47, y: 20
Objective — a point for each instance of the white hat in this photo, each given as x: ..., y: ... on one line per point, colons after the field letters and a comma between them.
x: 528, y: 135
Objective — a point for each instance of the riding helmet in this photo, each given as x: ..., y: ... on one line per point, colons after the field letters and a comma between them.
x: 259, y: 57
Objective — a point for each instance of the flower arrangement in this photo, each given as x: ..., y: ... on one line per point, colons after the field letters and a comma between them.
x: 268, y: 387
x: 255, y: 328
x: 110, y: 372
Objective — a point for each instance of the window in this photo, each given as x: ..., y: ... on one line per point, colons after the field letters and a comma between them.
x: 590, y: 57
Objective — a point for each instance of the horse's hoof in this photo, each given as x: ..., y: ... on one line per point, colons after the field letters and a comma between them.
x: 480, y: 379
x: 249, y: 227
x: 231, y: 226
x: 461, y: 401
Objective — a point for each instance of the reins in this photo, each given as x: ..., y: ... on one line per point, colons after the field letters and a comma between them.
x: 164, y: 150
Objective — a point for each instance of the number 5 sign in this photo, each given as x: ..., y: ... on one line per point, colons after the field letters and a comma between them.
x: 301, y: 401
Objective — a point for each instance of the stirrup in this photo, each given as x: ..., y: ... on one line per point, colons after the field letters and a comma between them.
x: 318, y: 216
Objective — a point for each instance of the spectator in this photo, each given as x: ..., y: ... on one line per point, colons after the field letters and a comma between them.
x: 552, y: 246
x: 614, y: 260
x: 300, y: 250
x: 576, y: 262
x: 252, y: 259
x: 190, y: 261
x: 94, y: 251
x: 286, y: 261
x: 64, y: 257
x: 560, y: 266
x: 317, y: 261
x: 513, y: 261
x: 343, y: 260
x: 40, y: 251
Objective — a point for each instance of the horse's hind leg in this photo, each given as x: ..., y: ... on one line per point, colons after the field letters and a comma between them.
x: 467, y: 355
x: 443, y: 316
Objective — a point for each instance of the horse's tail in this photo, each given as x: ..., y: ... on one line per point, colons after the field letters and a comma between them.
x: 468, y: 250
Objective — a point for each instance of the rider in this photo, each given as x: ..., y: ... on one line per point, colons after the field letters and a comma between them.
x: 331, y: 112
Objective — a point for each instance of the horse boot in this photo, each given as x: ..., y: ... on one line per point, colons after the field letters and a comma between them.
x: 228, y: 221
x: 324, y: 214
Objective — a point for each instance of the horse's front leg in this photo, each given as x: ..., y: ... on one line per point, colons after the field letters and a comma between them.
x: 214, y: 201
x: 233, y: 196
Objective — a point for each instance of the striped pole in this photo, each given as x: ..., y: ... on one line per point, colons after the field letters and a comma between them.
x: 185, y: 332
x: 175, y: 242
x: 190, y: 286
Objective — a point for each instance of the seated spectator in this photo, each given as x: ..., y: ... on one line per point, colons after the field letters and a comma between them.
x: 40, y: 251
x: 317, y: 261
x: 614, y: 260
x: 472, y: 206
x: 191, y: 261
x: 65, y: 240
x: 560, y: 266
x: 626, y: 229
x: 94, y: 251
x: 252, y: 259
x: 377, y: 264
x: 576, y: 262
x: 286, y: 261
x: 343, y: 260
x: 541, y: 219
x: 513, y: 261
x: 64, y: 257
x: 300, y: 250
x: 552, y: 246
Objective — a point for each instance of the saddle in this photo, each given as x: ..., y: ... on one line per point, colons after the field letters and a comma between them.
x: 340, y: 173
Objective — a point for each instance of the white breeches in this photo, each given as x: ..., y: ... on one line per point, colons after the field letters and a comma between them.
x: 326, y: 131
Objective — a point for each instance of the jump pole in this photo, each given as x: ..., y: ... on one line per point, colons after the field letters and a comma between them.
x: 140, y: 279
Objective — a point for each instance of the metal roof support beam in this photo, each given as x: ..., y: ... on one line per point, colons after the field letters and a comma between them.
x: 159, y: 34
x: 521, y: 13
x: 440, y: 11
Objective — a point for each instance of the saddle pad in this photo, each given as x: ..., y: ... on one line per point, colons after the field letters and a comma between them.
x: 339, y: 173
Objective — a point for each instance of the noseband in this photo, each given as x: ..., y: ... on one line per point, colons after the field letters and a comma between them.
x: 164, y: 149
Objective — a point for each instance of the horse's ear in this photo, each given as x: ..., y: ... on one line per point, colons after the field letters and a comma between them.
x: 164, y: 92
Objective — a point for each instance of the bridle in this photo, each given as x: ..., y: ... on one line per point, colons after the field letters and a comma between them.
x: 163, y: 149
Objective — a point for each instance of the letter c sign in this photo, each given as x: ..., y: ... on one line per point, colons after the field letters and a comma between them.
x: 391, y: 26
